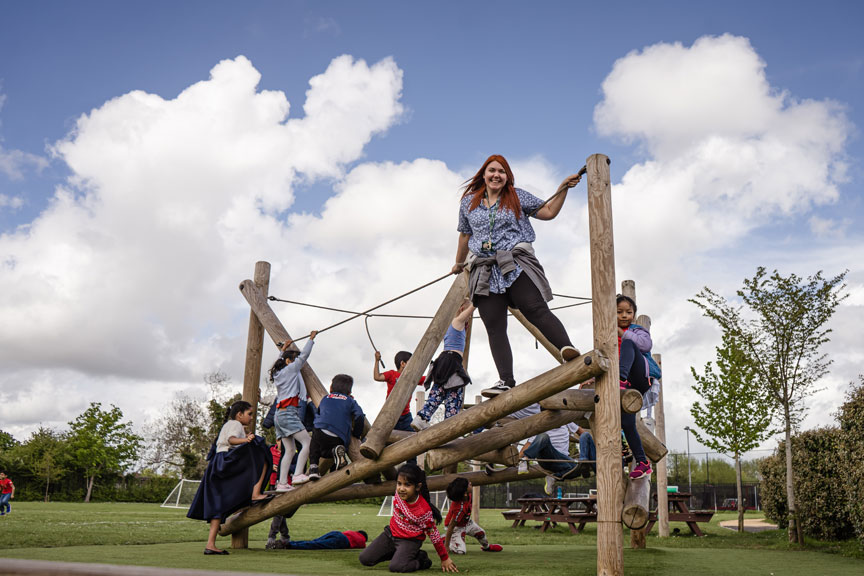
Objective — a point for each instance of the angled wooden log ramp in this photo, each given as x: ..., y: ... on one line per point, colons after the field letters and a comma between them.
x: 407, y: 383
x: 498, y: 437
x: 583, y: 400
x: 556, y: 380
x: 537, y: 335
x: 439, y: 482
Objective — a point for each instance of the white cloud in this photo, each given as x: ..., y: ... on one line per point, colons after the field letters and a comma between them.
x: 129, y: 278
x: 726, y: 155
x: 132, y: 270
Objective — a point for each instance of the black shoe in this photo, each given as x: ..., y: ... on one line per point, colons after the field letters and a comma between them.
x: 497, y: 389
x: 209, y: 552
x: 425, y: 561
x: 313, y: 472
x: 489, y: 469
x: 340, y: 458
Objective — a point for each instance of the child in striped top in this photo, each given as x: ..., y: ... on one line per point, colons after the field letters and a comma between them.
x: 414, y: 517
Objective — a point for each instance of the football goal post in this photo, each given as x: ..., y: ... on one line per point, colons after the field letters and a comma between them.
x: 182, y: 494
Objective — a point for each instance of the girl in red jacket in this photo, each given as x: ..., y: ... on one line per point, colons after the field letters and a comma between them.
x: 413, y: 518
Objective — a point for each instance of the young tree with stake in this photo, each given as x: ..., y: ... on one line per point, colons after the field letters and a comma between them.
x: 782, y: 334
x: 733, y: 415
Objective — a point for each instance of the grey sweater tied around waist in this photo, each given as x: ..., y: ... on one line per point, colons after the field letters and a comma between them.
x: 480, y: 268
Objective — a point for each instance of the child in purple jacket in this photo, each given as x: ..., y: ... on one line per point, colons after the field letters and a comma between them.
x: 634, y: 342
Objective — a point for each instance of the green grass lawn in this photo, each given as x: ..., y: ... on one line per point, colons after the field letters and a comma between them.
x: 144, y: 534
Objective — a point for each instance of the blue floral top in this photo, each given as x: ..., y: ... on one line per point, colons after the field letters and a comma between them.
x: 505, y: 234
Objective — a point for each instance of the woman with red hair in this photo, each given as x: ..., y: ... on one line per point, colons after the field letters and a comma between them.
x: 495, y: 238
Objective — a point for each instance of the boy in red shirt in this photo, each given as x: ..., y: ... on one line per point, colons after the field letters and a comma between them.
x: 391, y: 376
x: 7, y: 493
x: 459, y: 523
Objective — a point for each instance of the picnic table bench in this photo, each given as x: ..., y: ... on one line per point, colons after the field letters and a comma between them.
x: 575, y: 512
x: 680, y: 512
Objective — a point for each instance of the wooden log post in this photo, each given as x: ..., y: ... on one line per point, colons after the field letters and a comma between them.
x: 662, y: 471
x: 498, y: 437
x: 435, y: 483
x: 401, y: 394
x: 556, y: 380
x: 252, y: 370
x: 583, y: 400
x: 475, y: 488
x: 610, y: 554
x: 261, y: 308
x: 538, y: 335
x: 635, y: 511
x: 654, y: 449
x: 419, y: 402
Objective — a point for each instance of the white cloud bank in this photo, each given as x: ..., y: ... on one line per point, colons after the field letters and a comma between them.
x: 727, y: 156
x: 125, y: 288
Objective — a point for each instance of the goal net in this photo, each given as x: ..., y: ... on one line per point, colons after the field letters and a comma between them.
x: 182, y: 494
x: 439, y: 499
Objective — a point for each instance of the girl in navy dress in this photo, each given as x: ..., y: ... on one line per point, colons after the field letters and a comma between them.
x: 236, y: 469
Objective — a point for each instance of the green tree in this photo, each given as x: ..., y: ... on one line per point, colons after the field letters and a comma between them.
x: 782, y: 335
x: 99, y: 443
x: 180, y: 439
x: 43, y: 456
x: 732, y: 414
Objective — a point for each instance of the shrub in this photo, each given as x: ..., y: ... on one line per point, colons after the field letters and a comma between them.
x: 772, y: 488
x: 851, y: 419
x: 820, y: 499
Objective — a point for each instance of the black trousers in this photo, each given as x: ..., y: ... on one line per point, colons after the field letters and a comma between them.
x: 322, y: 445
x: 525, y: 297
x: 403, y: 554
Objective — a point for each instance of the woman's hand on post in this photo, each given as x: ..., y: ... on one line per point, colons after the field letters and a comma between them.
x: 457, y: 268
x: 312, y: 334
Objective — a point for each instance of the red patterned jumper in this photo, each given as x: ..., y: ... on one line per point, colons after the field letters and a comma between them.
x: 414, y: 521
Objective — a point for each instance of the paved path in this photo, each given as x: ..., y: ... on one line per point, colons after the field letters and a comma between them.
x: 750, y: 525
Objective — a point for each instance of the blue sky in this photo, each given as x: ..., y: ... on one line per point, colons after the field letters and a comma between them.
x: 438, y: 88
x: 517, y: 77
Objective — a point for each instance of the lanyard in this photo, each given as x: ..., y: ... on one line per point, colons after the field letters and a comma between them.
x: 492, y: 211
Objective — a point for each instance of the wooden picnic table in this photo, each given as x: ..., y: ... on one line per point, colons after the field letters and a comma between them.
x: 680, y: 512
x: 575, y: 512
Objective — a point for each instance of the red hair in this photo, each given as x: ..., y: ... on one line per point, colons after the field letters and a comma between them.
x: 476, y: 187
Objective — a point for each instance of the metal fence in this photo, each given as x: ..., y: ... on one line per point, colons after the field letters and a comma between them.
x: 703, y: 496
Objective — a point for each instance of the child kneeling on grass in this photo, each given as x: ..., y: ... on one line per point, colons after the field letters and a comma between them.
x: 459, y: 523
x: 413, y: 518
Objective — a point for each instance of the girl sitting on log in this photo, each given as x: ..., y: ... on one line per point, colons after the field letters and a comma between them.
x: 495, y: 236
x: 449, y: 378
x: 236, y: 469
x: 413, y: 518
x: 634, y: 342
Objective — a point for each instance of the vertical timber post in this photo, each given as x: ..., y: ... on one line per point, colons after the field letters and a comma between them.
x: 475, y: 490
x: 419, y: 402
x: 662, y: 471
x: 252, y: 371
x: 610, y: 554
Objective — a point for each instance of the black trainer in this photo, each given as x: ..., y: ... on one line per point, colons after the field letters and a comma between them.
x: 340, y: 458
x: 497, y: 389
x: 313, y: 472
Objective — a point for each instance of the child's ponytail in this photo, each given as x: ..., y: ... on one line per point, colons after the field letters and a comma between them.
x: 415, y: 475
